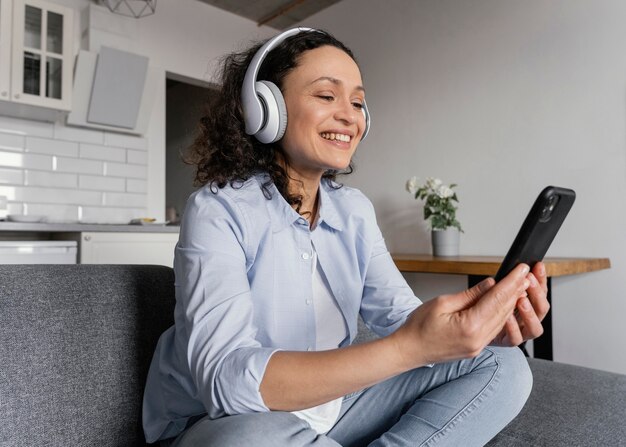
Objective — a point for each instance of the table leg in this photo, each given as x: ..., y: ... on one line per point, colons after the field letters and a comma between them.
x: 542, y: 345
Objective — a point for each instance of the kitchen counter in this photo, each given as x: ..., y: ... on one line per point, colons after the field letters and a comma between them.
x: 81, y: 227
x: 102, y: 243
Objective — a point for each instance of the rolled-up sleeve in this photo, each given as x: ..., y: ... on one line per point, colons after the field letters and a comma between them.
x: 215, y: 309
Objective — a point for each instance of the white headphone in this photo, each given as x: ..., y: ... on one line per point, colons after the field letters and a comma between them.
x: 264, y: 110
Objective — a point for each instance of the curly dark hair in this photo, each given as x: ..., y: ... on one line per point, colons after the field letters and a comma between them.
x: 222, y: 152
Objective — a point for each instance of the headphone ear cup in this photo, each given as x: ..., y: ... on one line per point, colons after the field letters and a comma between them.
x: 275, y: 119
x: 366, y: 115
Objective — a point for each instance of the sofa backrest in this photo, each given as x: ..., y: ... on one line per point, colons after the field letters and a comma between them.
x: 76, y: 342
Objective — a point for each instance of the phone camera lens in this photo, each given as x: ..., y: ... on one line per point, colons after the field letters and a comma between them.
x: 546, y: 212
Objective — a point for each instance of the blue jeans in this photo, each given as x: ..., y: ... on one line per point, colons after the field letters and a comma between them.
x: 465, y: 402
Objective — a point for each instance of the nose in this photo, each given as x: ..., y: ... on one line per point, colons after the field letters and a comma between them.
x: 346, y: 112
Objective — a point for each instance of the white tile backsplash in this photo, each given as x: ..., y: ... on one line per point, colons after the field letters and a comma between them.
x: 137, y: 157
x: 15, y: 208
x: 50, y: 179
x: 78, y: 134
x: 25, y: 161
x: 100, y: 152
x: 26, y: 127
x: 8, y: 192
x: 11, y: 142
x: 35, y: 194
x: 126, y: 170
x: 133, y: 185
x: 124, y: 200
x: 53, y: 213
x: 100, y: 183
x: 72, y: 173
x: 127, y: 141
x: 110, y: 215
x: 79, y: 166
x: 36, y: 161
x: 51, y: 147
x: 11, y: 159
x: 11, y: 176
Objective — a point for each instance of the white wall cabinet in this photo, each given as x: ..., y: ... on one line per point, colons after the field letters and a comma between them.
x: 6, y: 18
x: 36, y: 54
x: 127, y: 248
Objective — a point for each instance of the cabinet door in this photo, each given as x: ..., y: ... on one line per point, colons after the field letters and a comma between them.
x: 5, y: 49
x: 128, y: 248
x: 42, y: 54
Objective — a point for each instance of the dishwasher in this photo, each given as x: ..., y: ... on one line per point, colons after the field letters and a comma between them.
x: 38, y: 252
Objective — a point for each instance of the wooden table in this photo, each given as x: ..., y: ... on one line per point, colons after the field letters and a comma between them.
x: 479, y: 267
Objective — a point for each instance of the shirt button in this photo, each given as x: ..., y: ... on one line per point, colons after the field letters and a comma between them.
x: 308, y: 302
x: 306, y: 256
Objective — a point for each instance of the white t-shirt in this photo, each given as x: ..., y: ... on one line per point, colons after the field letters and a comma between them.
x: 330, y: 332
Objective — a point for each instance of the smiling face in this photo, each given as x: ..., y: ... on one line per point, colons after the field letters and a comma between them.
x: 325, y: 122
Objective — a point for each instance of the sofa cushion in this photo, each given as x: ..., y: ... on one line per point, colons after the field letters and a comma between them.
x: 75, y: 345
x: 569, y: 406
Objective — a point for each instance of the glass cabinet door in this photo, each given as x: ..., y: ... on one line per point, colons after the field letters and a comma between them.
x: 31, y: 80
x: 45, y: 54
x: 54, y: 58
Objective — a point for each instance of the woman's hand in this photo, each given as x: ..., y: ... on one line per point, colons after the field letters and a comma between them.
x: 461, y: 325
x: 525, y: 322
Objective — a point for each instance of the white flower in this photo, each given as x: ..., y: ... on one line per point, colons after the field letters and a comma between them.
x: 444, y: 192
x: 433, y: 183
x: 411, y: 185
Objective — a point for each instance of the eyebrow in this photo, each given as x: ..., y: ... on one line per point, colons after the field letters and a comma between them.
x: 336, y: 82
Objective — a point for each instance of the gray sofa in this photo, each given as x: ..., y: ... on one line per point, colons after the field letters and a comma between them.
x: 76, y: 342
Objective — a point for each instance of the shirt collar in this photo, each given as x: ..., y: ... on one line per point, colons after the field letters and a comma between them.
x: 328, y: 213
x: 283, y: 215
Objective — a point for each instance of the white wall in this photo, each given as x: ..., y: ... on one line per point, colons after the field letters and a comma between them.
x: 502, y: 97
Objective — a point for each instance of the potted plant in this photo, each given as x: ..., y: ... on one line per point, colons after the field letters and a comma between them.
x: 440, y: 212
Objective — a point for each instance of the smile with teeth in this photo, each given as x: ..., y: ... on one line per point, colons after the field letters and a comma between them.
x: 336, y: 136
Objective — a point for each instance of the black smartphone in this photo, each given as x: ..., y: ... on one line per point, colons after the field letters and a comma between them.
x: 539, y: 229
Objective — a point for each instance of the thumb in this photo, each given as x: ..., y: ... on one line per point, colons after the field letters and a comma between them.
x: 469, y: 297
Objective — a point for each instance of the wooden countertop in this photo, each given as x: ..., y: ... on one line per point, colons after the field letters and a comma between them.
x: 488, y: 265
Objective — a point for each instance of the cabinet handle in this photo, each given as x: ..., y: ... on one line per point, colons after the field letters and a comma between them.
x: 87, y: 238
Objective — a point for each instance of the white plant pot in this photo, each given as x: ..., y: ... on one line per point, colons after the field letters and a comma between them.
x: 445, y: 242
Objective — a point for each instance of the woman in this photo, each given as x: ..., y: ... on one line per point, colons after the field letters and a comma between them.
x: 276, y: 261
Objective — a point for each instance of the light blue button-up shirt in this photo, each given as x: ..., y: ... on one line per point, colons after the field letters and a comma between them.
x: 243, y: 291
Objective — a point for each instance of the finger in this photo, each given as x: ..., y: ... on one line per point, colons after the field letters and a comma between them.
x: 499, y: 301
x: 513, y: 332
x: 467, y: 298
x: 530, y: 322
x: 538, y: 297
x: 539, y: 270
